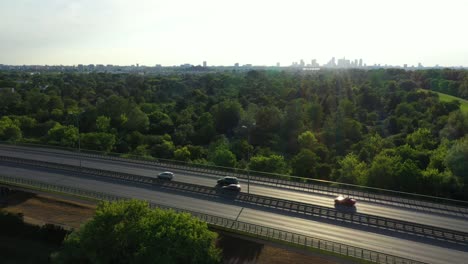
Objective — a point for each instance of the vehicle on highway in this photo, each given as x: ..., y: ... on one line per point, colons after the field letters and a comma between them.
x: 166, y: 175
x: 347, y: 201
x: 228, y: 180
x: 232, y: 187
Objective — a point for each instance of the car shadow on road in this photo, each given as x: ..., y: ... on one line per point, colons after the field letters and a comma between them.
x: 345, y: 209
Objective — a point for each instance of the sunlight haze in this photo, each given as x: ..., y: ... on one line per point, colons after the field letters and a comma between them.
x: 227, y: 32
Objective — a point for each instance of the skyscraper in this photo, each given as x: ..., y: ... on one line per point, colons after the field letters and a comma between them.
x: 314, y: 63
x: 204, y: 63
x: 360, y: 62
x: 331, y: 63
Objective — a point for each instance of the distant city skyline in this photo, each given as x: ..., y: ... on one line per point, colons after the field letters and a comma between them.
x: 261, y: 32
x: 333, y: 63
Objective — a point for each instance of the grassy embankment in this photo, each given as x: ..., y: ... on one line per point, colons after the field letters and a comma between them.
x: 449, y: 98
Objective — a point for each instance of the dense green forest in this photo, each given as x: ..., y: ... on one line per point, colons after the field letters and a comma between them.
x: 374, y: 128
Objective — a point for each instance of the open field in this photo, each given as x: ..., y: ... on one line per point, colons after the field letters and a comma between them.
x: 39, y: 209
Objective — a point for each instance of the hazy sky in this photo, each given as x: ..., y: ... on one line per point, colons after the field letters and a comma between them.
x: 173, y: 32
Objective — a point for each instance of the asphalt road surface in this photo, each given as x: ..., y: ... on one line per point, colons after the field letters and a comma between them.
x: 432, y: 217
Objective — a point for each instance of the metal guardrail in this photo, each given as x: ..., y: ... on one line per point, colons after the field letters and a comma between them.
x: 292, y: 182
x: 280, y: 204
x: 222, y: 222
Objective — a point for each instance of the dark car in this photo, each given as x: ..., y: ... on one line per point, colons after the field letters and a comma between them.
x: 232, y: 187
x: 347, y: 201
x: 228, y: 180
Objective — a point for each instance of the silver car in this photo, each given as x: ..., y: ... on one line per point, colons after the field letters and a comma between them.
x: 166, y: 175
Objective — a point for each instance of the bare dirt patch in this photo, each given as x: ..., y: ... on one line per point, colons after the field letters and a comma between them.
x: 241, y: 251
x: 42, y: 209
x: 274, y: 255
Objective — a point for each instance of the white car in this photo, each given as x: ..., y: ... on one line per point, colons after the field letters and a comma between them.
x: 167, y: 175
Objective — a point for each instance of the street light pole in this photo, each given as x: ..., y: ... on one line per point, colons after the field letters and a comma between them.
x: 77, y: 122
x: 79, y: 138
x: 248, y: 158
x: 248, y: 168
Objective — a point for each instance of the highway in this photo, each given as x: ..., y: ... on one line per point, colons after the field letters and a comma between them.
x: 416, y: 215
x: 396, y: 244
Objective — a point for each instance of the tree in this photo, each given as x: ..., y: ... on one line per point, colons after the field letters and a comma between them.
x: 307, y: 140
x: 183, y: 133
x: 369, y: 147
x: 463, y: 89
x: 456, y: 126
x: 352, y: 170
x: 315, y: 114
x: 457, y: 158
x: 131, y: 232
x: 389, y: 171
x: 141, y: 151
x: 367, y: 98
x: 242, y: 149
x: 267, y: 124
x: 36, y: 104
x: 113, y: 107
x: 223, y: 157
x: 10, y: 102
x: 272, y: 163
x: 103, y: 123
x: 204, y: 129
x: 9, y: 129
x: 64, y: 135
x: 137, y: 121
x: 98, y: 141
x: 162, y: 147
x: 437, y: 157
x: 27, y: 125
x: 383, y: 171
x: 408, y: 85
x: 439, y: 183
x: 226, y: 115
x: 421, y: 139
x: 304, y: 164
x: 160, y: 123
x: 182, y: 154
x: 420, y: 157
x: 135, y: 139
x: 56, y: 114
x: 408, y: 176
x: 293, y: 124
